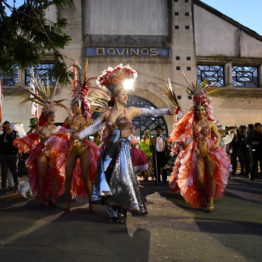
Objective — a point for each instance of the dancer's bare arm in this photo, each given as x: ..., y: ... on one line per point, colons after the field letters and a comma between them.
x: 216, y: 133
x: 136, y: 111
x: 97, y: 125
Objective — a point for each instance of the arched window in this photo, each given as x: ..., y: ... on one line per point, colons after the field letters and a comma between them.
x: 143, y: 123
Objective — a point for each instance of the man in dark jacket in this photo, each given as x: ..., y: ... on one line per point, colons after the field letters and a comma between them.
x: 8, y: 154
x: 242, y: 150
x: 158, y: 147
x: 254, y: 139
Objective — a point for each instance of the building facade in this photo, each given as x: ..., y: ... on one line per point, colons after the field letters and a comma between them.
x: 160, y: 39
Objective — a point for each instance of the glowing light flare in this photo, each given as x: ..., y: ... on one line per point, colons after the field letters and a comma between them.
x: 128, y: 84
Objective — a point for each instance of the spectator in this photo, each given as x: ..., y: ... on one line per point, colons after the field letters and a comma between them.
x: 34, y: 125
x: 144, y: 145
x: 254, y: 139
x: 233, y: 151
x: 239, y: 150
x: 158, y: 147
x: 250, y: 128
x: 222, y: 131
x: 139, y: 159
x: 8, y: 154
x: 21, y: 168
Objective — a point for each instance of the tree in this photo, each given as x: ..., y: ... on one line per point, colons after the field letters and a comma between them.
x: 27, y: 35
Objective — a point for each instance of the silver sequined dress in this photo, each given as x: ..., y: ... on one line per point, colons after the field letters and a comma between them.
x: 116, y: 176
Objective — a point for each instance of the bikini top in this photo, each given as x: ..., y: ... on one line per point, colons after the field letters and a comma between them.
x: 77, y: 123
x: 121, y: 122
x: 201, y: 130
x: 46, y: 131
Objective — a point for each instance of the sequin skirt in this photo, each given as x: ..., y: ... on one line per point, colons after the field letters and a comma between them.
x: 116, y: 175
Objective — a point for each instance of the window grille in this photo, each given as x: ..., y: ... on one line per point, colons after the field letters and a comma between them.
x: 43, y: 71
x: 245, y: 76
x: 214, y: 74
x: 10, y: 78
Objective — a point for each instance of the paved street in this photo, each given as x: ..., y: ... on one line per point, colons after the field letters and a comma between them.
x: 171, y: 232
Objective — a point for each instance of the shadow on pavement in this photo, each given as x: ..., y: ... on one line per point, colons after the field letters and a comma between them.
x: 77, y: 236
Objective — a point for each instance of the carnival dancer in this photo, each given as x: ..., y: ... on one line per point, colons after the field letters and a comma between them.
x: 85, y: 150
x: 78, y: 158
x: 79, y: 180
x: 45, y: 181
x: 201, y: 168
x: 116, y: 180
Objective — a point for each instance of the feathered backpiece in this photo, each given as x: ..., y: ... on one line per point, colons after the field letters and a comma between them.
x: 170, y: 92
x: 44, y: 96
x: 114, y: 76
x: 88, y: 96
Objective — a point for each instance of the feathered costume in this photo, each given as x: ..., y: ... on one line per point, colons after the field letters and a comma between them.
x: 61, y: 143
x: 34, y: 144
x: 199, y: 141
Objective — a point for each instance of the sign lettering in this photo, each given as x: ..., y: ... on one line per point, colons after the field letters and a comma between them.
x: 127, y: 51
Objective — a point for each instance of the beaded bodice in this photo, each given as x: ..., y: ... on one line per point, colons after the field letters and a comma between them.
x: 78, y: 122
x: 201, y: 130
x: 46, y: 131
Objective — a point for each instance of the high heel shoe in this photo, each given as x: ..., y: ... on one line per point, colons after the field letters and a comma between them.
x: 211, y: 206
x: 121, y: 217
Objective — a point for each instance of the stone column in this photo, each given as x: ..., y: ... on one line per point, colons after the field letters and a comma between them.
x: 228, y: 74
x: 260, y: 75
x: 183, y: 47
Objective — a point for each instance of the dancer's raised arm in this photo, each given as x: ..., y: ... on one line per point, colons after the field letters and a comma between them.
x: 96, y: 126
x: 136, y: 111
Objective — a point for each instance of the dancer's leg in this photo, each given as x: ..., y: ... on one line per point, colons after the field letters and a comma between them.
x: 200, y: 167
x: 69, y: 169
x: 84, y: 161
x: 55, y: 184
x: 41, y: 171
x: 212, y: 183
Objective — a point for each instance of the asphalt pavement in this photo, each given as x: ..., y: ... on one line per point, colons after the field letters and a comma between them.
x: 172, y: 231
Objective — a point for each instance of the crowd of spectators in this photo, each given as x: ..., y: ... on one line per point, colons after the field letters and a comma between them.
x: 246, y: 150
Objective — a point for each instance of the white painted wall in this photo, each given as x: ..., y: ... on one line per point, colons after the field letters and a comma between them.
x: 215, y: 36
x: 14, y: 112
x: 237, y: 110
x: 125, y: 17
x: 250, y: 46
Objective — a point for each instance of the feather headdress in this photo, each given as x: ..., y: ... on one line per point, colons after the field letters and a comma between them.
x: 114, y: 76
x: 43, y: 96
x: 88, y: 96
x: 200, y: 94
